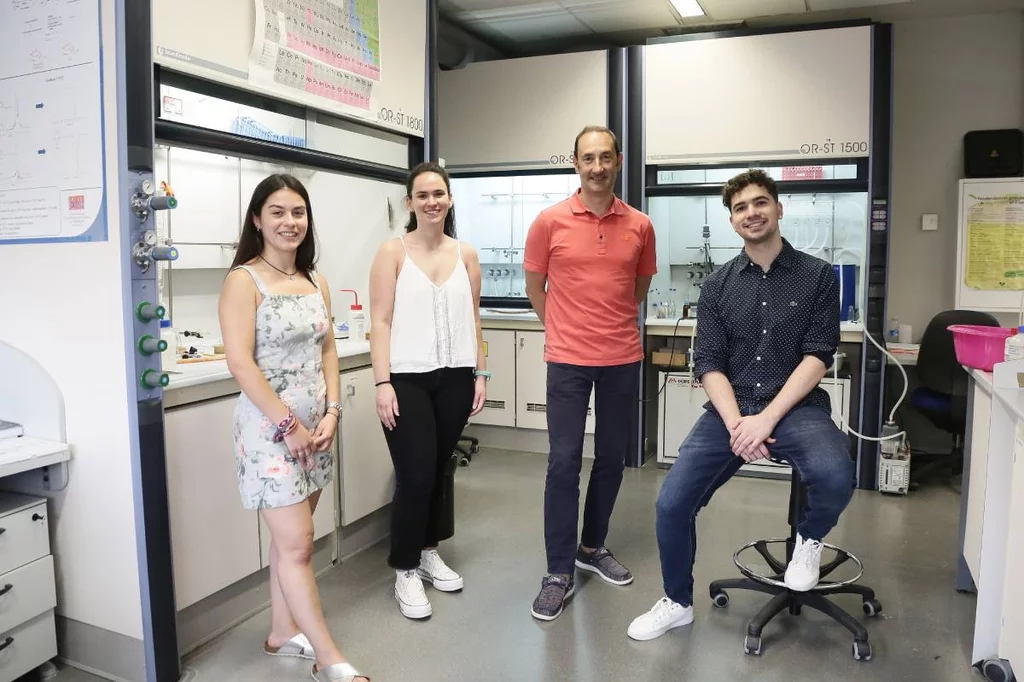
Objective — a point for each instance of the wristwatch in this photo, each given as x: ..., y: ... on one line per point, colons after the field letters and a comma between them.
x: 482, y: 373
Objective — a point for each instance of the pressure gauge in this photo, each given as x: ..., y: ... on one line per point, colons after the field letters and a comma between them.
x: 149, y: 238
x: 147, y: 187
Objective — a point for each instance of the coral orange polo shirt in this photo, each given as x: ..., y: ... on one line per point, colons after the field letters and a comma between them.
x: 591, y: 263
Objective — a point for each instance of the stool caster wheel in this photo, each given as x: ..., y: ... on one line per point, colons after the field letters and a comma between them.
x: 463, y: 461
x: 862, y: 651
x: 752, y: 645
x: 474, y: 449
x: 997, y: 670
x: 872, y: 607
x: 720, y: 599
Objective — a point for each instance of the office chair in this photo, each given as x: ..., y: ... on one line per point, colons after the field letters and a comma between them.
x: 784, y: 598
x: 942, y: 396
x: 466, y: 452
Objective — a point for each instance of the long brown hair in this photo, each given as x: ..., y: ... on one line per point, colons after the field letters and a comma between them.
x: 250, y: 242
x: 430, y: 167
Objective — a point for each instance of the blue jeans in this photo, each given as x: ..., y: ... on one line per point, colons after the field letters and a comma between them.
x: 807, y: 438
x: 615, y: 404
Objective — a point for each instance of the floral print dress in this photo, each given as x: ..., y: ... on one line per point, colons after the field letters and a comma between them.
x: 290, y: 330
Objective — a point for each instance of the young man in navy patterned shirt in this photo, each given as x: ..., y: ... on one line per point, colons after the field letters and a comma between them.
x: 767, y: 331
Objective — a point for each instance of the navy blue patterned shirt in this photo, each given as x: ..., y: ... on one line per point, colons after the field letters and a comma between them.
x: 756, y: 327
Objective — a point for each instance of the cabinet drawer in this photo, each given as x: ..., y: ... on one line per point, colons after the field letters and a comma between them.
x: 24, y: 531
x: 27, y: 646
x: 26, y: 592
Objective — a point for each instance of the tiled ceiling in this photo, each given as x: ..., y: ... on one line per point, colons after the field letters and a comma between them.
x: 525, y: 26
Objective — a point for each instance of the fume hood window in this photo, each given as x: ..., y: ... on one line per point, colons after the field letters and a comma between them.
x: 824, y: 214
x: 293, y: 126
x: 494, y: 214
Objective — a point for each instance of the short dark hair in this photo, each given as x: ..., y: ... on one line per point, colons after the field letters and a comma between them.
x: 595, y: 129
x: 739, y: 183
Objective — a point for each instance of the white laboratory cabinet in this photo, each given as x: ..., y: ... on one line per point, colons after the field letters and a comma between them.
x: 531, y: 384
x: 28, y: 595
x: 517, y: 391
x: 216, y: 541
x: 681, y: 402
x: 500, y: 352
x: 367, y: 474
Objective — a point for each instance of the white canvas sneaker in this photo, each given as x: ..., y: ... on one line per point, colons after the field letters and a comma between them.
x: 665, y: 615
x: 434, y: 570
x: 803, y: 570
x: 412, y: 600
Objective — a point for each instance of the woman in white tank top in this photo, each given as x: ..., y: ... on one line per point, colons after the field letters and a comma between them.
x: 429, y: 368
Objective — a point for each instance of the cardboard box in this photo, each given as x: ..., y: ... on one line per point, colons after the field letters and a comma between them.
x: 662, y: 358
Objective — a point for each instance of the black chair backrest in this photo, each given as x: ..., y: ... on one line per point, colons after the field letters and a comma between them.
x: 937, y: 366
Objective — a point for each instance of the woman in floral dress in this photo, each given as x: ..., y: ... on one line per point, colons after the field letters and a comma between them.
x: 274, y: 316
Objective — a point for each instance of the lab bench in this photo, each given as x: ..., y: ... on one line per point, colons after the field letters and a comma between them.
x: 991, y: 533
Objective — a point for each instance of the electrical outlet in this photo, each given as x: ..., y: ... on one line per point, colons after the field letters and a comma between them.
x: 930, y: 222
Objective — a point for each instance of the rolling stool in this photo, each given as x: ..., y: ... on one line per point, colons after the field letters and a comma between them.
x: 466, y: 452
x: 784, y: 598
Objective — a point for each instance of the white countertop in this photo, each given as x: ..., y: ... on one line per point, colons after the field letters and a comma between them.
x: 671, y: 322
x: 24, y: 453
x: 197, y: 373
x: 658, y: 326
x: 526, y: 315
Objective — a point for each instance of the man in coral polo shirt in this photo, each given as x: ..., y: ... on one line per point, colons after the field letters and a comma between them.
x: 596, y: 256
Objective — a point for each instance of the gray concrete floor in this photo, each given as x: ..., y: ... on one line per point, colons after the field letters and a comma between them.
x: 486, y: 634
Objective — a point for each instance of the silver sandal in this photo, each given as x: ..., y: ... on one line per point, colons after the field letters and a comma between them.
x: 339, y: 672
x: 296, y: 647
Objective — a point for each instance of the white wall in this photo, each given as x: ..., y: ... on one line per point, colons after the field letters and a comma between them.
x: 951, y: 75
x: 62, y: 303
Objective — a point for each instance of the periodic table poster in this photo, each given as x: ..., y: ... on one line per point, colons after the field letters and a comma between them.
x: 359, y: 59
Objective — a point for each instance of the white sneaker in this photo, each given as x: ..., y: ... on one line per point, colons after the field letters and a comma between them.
x: 803, y: 570
x: 665, y: 615
x: 412, y: 600
x: 435, y: 570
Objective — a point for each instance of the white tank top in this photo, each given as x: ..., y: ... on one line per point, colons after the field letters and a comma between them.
x: 432, y: 326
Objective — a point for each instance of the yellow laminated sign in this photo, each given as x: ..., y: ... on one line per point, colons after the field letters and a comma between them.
x: 995, y: 243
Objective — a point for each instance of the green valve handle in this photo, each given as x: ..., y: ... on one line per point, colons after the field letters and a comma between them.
x: 148, y: 345
x: 147, y: 312
x: 154, y: 379
x: 163, y: 203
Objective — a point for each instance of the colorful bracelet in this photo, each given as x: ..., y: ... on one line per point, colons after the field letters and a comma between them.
x: 287, y: 425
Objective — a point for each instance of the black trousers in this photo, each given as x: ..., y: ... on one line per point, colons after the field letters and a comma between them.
x: 433, y: 408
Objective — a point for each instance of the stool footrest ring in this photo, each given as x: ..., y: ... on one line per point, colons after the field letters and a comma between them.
x: 761, y: 546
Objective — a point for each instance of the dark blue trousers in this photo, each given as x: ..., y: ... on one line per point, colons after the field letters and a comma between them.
x: 615, y: 404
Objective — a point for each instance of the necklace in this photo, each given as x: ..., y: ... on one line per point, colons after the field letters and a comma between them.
x: 289, y: 275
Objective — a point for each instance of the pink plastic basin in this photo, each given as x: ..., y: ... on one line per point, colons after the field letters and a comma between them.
x: 979, y: 346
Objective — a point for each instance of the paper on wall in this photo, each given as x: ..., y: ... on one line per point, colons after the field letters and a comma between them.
x: 995, y: 243
x: 320, y: 48
x: 51, y: 125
